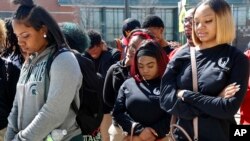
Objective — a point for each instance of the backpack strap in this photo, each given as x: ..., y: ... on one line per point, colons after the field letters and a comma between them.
x: 53, y: 56
x: 195, y: 88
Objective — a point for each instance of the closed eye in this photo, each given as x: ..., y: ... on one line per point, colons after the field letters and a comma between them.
x: 150, y: 66
x: 208, y: 21
x: 24, y: 35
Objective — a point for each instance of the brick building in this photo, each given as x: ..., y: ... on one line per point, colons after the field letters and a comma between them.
x: 60, y: 13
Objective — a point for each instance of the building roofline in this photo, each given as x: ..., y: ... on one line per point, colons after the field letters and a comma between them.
x: 115, y: 6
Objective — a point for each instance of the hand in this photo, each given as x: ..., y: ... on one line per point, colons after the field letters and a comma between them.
x: 148, y: 134
x: 174, y: 44
x: 180, y: 93
x: 229, y: 91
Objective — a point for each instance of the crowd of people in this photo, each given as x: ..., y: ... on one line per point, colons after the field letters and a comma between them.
x: 145, y: 79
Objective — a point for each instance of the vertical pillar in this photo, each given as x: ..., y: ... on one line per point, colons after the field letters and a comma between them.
x: 126, y: 9
x: 103, y: 22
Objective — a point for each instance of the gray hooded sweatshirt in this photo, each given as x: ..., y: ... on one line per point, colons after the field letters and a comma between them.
x: 42, y: 101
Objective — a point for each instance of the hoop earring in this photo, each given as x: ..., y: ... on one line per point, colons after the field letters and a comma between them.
x: 44, y: 36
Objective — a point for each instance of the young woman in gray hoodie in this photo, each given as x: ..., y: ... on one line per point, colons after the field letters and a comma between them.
x: 43, y: 99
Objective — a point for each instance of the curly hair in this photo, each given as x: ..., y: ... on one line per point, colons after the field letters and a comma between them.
x: 10, y: 45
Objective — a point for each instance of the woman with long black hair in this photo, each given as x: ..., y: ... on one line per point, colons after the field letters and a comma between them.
x: 43, y: 99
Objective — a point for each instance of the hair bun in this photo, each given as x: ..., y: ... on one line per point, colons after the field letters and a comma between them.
x: 23, y: 2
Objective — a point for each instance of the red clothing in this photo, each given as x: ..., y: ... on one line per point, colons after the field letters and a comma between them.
x: 172, y: 53
x: 244, y: 109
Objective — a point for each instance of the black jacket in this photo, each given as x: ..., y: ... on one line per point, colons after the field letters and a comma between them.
x: 9, y: 74
x: 116, y: 75
x: 102, y: 64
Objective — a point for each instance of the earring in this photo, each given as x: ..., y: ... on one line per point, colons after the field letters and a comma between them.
x: 44, y: 36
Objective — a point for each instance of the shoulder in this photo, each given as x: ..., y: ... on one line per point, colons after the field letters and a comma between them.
x: 180, y: 54
x: 173, y: 52
x: 117, y: 66
x: 129, y: 83
x: 111, y: 54
x: 65, y: 60
x: 83, y: 59
x: 235, y: 57
x: 65, y: 66
x: 236, y: 53
x: 116, y: 71
x: 168, y: 49
x: 66, y: 56
x: 114, y: 51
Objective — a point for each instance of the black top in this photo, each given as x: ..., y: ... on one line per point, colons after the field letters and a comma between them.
x: 217, y: 67
x: 102, y: 64
x: 168, y: 49
x: 9, y: 74
x: 139, y: 102
x: 116, y: 75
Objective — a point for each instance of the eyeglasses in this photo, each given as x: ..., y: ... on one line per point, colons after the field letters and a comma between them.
x: 188, y: 20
